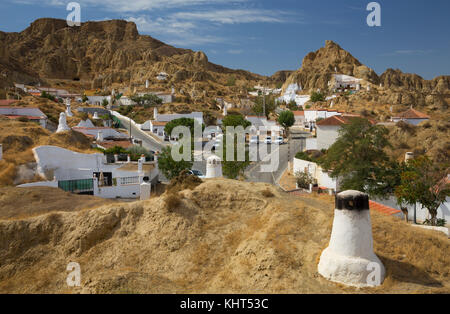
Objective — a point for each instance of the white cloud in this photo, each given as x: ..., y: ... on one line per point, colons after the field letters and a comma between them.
x: 235, y: 51
x: 236, y: 16
x: 408, y: 52
x: 131, y: 5
x: 175, y: 32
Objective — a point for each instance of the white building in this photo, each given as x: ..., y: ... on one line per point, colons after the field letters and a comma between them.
x: 346, y: 81
x: 90, y: 173
x: 411, y: 116
x: 31, y: 113
x: 162, y: 76
x: 107, y: 133
x: 321, y: 176
x: 328, y: 129
x: 159, y: 122
x: 312, y: 115
x: 98, y: 100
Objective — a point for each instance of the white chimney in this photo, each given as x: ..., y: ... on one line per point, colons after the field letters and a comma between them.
x: 409, y: 156
x: 100, y: 136
x: 146, y: 84
x: 68, y: 110
x: 213, y: 167
x: 62, y: 126
x: 349, y: 258
x: 145, y: 189
x: 1, y: 151
x: 95, y: 117
x: 155, y: 114
x: 225, y: 112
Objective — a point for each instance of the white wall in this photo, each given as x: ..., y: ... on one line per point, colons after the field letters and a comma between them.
x: 311, y: 143
x: 410, y: 121
x: 322, y: 177
x: 326, y: 136
x: 421, y: 213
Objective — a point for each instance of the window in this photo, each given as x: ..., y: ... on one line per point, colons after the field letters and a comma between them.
x: 129, y: 180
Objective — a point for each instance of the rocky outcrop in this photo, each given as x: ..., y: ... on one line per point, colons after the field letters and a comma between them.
x: 397, y: 79
x: 103, y: 52
x: 319, y: 66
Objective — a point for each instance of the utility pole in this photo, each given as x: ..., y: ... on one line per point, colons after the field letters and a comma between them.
x: 264, y: 100
x: 130, y: 132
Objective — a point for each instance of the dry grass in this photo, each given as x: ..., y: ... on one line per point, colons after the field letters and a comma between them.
x: 223, y: 237
x: 21, y: 203
x: 267, y: 193
x: 172, y: 201
x: 19, y: 138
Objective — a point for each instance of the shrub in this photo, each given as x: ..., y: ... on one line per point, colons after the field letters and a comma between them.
x: 303, y: 179
x: 315, y: 97
x: 267, y: 193
x: 171, y: 202
x: 303, y: 156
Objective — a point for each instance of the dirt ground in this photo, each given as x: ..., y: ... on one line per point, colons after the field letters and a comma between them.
x: 223, y: 236
x: 19, y: 203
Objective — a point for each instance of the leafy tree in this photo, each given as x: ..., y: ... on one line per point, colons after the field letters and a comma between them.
x: 303, y: 179
x: 44, y: 94
x: 84, y: 98
x: 258, y: 107
x: 136, y: 152
x: 317, y: 96
x: 105, y: 103
x: 233, y: 169
x: 169, y: 167
x: 286, y: 119
x: 423, y: 183
x: 235, y: 120
x: 358, y: 155
x: 187, y: 122
x: 292, y: 105
x: 147, y: 100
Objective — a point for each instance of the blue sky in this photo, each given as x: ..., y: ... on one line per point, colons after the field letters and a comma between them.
x: 266, y: 36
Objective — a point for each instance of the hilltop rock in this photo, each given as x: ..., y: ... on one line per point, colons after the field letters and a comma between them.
x: 103, y: 53
x: 319, y: 66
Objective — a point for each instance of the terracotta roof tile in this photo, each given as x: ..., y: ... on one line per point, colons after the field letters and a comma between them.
x: 386, y: 210
x: 412, y: 114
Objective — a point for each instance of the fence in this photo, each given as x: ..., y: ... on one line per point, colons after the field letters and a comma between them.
x: 77, y: 186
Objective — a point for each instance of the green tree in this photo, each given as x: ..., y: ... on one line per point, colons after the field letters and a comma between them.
x: 317, y: 96
x: 84, y: 98
x: 292, y: 105
x: 286, y: 119
x: 233, y: 169
x: 147, y: 100
x: 105, y: 103
x: 358, y: 155
x: 424, y: 183
x: 187, y: 122
x: 235, y: 120
x: 258, y: 107
x: 169, y: 167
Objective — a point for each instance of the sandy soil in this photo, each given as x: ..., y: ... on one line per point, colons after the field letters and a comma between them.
x: 222, y: 236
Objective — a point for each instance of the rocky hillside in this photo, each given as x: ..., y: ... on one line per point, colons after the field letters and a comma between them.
x: 319, y: 66
x: 103, y: 53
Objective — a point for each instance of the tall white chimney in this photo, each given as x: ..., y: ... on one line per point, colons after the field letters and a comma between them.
x: 155, y: 114
x: 349, y: 258
x: 1, y: 151
x: 146, y: 84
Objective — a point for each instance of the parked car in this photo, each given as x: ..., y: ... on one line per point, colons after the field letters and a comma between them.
x: 196, y: 173
x: 268, y: 140
x: 279, y: 140
x: 254, y: 139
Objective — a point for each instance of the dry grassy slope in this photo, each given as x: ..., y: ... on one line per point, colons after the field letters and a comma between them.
x: 19, y: 138
x: 224, y: 236
x: 19, y: 203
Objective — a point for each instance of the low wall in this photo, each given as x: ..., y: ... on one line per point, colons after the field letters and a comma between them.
x: 322, y: 177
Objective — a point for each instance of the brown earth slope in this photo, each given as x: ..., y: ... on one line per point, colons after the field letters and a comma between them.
x: 104, y: 53
x: 223, y: 236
